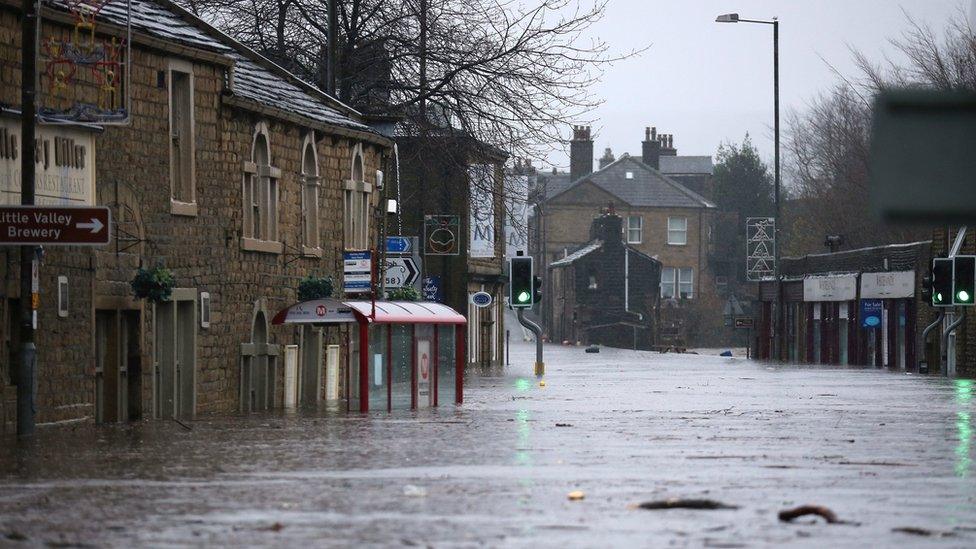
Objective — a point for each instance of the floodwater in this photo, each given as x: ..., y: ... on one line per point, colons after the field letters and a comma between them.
x: 882, y: 450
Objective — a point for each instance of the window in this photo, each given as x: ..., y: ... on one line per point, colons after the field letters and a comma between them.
x: 260, y: 196
x: 678, y: 231
x: 635, y: 229
x: 356, y: 205
x: 684, y: 283
x: 310, y: 194
x: 181, y: 138
x: 629, y: 175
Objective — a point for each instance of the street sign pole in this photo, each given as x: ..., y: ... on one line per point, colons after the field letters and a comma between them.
x: 26, y: 375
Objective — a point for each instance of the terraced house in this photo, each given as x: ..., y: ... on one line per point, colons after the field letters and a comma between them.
x: 235, y: 176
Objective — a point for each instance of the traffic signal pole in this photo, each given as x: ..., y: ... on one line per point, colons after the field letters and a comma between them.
x: 540, y: 366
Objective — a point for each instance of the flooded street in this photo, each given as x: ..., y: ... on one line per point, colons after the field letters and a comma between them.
x: 882, y: 450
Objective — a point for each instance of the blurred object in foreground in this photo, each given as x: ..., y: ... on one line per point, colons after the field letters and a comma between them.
x: 923, y: 157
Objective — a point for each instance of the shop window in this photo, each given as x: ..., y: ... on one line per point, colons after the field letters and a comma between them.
x: 260, y: 194
x: 678, y: 231
x: 635, y: 229
x: 356, y: 202
x: 181, y: 138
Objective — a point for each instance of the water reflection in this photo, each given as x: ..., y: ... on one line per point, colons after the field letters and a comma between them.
x: 522, y: 456
x: 964, y: 427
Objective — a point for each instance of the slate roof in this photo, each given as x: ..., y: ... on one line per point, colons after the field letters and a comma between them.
x: 687, y: 165
x: 550, y: 184
x: 256, y: 78
x: 591, y: 247
x: 647, y: 188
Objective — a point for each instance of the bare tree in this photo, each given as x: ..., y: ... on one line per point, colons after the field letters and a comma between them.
x: 828, y: 144
x: 509, y: 73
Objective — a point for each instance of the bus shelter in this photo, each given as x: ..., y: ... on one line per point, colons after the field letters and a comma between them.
x: 401, y: 354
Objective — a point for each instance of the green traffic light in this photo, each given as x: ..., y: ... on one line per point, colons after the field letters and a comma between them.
x: 524, y: 297
x: 937, y: 298
x: 964, y: 296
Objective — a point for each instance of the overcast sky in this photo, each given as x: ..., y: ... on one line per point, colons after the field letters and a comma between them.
x: 707, y: 83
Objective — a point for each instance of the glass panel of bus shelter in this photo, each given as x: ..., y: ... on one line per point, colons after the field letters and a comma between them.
x: 377, y: 366
x: 353, y: 368
x: 446, y: 366
x: 401, y: 354
x: 424, y: 341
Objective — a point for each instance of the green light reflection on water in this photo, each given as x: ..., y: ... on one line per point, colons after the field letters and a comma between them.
x: 522, y: 456
x: 964, y: 427
x: 522, y: 385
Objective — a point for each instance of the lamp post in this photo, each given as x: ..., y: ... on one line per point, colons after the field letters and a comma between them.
x: 734, y: 18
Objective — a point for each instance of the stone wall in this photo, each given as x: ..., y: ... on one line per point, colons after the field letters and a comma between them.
x: 204, y: 251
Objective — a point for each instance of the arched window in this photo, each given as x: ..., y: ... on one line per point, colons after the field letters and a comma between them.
x: 310, y: 193
x: 260, y: 192
x: 356, y: 201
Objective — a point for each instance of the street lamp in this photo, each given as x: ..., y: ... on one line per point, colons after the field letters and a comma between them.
x: 734, y: 18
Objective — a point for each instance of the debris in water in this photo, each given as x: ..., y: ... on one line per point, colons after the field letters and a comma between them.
x: 910, y: 530
x: 663, y: 504
x: 576, y: 495
x: 414, y: 491
x: 789, y: 514
x: 564, y: 425
x: 542, y: 383
x: 592, y: 349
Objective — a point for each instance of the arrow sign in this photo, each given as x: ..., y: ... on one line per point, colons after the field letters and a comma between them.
x: 400, y: 272
x: 398, y: 245
x: 55, y: 225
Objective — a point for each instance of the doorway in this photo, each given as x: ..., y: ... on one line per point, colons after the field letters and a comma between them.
x: 175, y: 356
x: 258, y: 368
x: 118, y: 366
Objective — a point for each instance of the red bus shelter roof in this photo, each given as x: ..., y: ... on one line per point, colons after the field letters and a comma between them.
x: 407, y: 312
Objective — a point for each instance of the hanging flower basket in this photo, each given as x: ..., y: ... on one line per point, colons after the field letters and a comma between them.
x: 154, y: 284
x: 315, y: 287
x: 407, y: 293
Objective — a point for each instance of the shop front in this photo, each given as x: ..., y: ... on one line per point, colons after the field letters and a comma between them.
x: 829, y: 301
x: 401, y: 355
x: 888, y: 319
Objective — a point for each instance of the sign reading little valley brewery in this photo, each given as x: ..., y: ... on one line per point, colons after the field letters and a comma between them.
x: 55, y: 225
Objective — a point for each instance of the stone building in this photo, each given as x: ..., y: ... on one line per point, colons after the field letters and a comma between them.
x: 662, y: 218
x: 450, y: 174
x: 234, y: 175
x: 605, y: 292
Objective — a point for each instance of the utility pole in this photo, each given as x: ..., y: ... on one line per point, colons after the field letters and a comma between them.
x: 26, y: 367
x: 330, y: 63
x: 778, y: 318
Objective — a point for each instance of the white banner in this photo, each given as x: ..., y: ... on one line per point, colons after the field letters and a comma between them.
x: 888, y: 285
x: 482, y: 210
x: 516, y: 215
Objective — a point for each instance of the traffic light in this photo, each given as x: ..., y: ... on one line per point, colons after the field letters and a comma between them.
x: 942, y: 282
x: 520, y: 282
x: 927, y: 286
x: 963, y: 279
x: 536, y: 289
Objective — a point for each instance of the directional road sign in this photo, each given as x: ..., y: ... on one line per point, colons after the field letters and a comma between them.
x: 401, y: 272
x: 55, y: 225
x: 744, y: 322
x: 399, y: 245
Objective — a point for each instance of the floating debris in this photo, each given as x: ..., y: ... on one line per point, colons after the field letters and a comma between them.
x: 664, y: 504
x: 575, y: 495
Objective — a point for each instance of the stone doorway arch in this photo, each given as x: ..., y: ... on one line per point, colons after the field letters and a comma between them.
x: 259, y: 365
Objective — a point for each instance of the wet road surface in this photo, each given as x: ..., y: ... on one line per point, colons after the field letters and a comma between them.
x: 884, y: 450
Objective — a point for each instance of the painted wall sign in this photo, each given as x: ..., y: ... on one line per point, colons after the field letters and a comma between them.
x: 516, y: 215
x: 64, y: 166
x: 481, y: 299
x: 894, y: 285
x: 481, y: 223
x: 442, y: 234
x: 830, y: 288
x: 871, y: 313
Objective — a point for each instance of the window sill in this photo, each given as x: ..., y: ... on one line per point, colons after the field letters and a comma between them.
x: 263, y: 246
x: 311, y: 252
x: 188, y: 209
x: 674, y: 244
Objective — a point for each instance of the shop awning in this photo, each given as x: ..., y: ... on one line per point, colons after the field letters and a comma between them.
x: 407, y: 312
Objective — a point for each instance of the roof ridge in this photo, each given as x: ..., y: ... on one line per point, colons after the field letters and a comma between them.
x: 256, y: 57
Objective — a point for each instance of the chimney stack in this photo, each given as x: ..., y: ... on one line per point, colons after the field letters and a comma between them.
x: 608, y: 227
x: 607, y: 158
x: 651, y: 148
x: 667, y: 145
x: 580, y: 153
